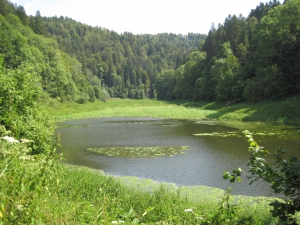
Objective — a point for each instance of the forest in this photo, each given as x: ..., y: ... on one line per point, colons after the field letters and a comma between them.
x: 244, y: 59
x: 77, y: 62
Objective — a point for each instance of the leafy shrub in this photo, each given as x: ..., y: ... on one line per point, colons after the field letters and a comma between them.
x: 23, y: 179
x: 19, y: 111
x: 83, y: 98
x: 104, y: 95
x: 283, y: 176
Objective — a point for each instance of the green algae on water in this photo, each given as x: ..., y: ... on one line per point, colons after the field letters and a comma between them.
x: 221, y: 134
x: 140, y: 152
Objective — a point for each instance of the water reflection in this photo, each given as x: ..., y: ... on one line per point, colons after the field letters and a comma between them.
x: 208, y: 157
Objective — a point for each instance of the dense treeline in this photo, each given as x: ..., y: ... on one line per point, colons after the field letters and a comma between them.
x: 127, y: 64
x: 59, y: 75
x: 250, y: 59
x: 81, y: 63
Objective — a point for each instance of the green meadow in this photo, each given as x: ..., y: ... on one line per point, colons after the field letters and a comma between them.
x: 281, y: 112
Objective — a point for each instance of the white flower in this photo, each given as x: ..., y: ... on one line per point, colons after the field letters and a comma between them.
x: 188, y: 210
x: 144, y: 214
x: 121, y: 221
x: 114, y: 222
x: 10, y: 139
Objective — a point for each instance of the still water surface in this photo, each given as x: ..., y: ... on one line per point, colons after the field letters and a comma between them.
x: 203, y: 164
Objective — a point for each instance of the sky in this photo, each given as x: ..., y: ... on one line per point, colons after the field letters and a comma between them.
x: 144, y: 16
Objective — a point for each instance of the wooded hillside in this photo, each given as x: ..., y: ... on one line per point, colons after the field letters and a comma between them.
x: 78, y: 62
x: 244, y: 59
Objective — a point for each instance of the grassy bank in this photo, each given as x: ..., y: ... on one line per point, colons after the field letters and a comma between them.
x: 86, y: 196
x: 284, y: 112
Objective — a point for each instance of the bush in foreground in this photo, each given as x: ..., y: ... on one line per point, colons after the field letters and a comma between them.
x: 283, y: 176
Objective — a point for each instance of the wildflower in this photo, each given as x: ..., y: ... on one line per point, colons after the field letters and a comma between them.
x: 188, y: 210
x: 10, y: 139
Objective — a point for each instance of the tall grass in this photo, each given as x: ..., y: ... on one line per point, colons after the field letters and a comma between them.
x: 88, y: 197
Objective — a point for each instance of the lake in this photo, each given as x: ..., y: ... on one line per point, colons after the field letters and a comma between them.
x: 216, y: 149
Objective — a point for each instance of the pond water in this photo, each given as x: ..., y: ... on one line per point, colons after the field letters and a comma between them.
x: 203, y: 163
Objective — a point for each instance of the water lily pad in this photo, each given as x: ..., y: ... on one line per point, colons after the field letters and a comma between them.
x: 140, y: 152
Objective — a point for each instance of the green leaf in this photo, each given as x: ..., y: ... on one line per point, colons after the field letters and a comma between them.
x: 275, y: 185
x: 232, y: 179
x: 226, y: 175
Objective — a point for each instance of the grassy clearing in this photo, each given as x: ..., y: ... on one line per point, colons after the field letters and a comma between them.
x: 283, y: 112
x: 127, y: 108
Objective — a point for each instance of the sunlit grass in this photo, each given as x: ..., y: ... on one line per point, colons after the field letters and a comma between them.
x: 284, y: 112
x: 88, y: 197
x: 127, y: 108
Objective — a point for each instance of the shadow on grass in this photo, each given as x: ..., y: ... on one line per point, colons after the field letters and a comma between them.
x: 283, y: 112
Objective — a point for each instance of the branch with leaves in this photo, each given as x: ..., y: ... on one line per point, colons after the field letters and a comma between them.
x: 283, y: 175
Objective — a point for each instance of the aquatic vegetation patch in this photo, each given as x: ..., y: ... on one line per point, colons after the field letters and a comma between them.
x: 196, y: 193
x: 140, y: 152
x: 206, y: 122
x: 63, y: 125
x: 220, y: 134
x: 267, y: 132
x: 172, y: 123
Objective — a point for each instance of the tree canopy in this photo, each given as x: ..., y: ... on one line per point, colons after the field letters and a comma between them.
x: 246, y: 58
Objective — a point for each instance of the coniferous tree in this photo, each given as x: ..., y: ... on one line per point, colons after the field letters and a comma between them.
x: 38, y: 24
